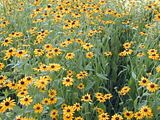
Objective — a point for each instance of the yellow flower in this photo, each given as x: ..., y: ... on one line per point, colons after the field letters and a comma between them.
x: 82, y: 75
x: 68, y: 110
x: 89, y: 55
x: 152, y: 87
x: 22, y: 93
x: 77, y: 106
x: 46, y: 101
x: 154, y: 56
x: 103, y: 116
x: 52, y: 93
x: 144, y: 81
x: 86, y: 98
x: 26, y: 100
x: 124, y: 90
x: 128, y: 51
x: 54, y: 67
x: 69, y: 56
x: 140, y: 54
x: 78, y: 118
x: 38, y: 108
x: 117, y: 117
x: 152, y: 51
x: 54, y: 113
x: 38, y: 52
x: 52, y: 100
x: 7, y: 41
x: 80, y: 86
x: 11, y: 52
x: 108, y: 96
x: 7, y: 104
x: 146, y: 111
x: 57, y: 51
x: 87, y: 46
x: 139, y: 115
x: 157, y: 17
x: 128, y: 114
x: 48, y: 47
x: 108, y: 53
x: 67, y: 117
x: 127, y: 45
x: 1, y: 66
x: 2, y: 78
x: 68, y: 81
x: 158, y: 69
x: 21, y: 53
x: 41, y: 83
x: 100, y: 97
x: 99, y: 110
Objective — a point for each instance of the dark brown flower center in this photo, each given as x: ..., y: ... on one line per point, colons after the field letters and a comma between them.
x: 7, y: 103
x: 26, y: 99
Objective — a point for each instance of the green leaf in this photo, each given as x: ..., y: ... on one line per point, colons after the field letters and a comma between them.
x: 90, y: 84
x: 102, y: 76
x: 134, y: 75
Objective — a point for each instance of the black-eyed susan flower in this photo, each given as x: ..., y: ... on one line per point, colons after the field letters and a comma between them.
x: 48, y: 47
x: 80, y: 86
x: 128, y: 114
x: 54, y: 67
x: 68, y: 81
x: 78, y: 118
x: 46, y: 101
x: 89, y: 55
x: 108, y: 53
x: 22, y: 93
x: 38, y: 108
x: 139, y: 115
x: 77, y: 106
x: 53, y: 100
x: 117, y: 117
x: 7, y: 41
x: 68, y: 110
x: 127, y: 45
x: 103, y: 116
x: 38, y: 52
x: 87, y: 46
x: 143, y: 82
x: 124, y: 90
x: 1, y: 66
x: 21, y: 53
x: 108, y: 96
x: 28, y: 79
x: 82, y: 75
x: 140, y: 54
x: 8, y: 103
x: 26, y: 100
x: 157, y: 17
x: 70, y: 56
x: 57, y: 51
x: 152, y: 87
x: 147, y: 111
x: 11, y: 52
x: 128, y: 51
x: 52, y: 93
x: 2, y: 78
x: 54, y: 113
x: 67, y: 117
x: 154, y: 56
x: 86, y: 98
x: 99, y: 110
